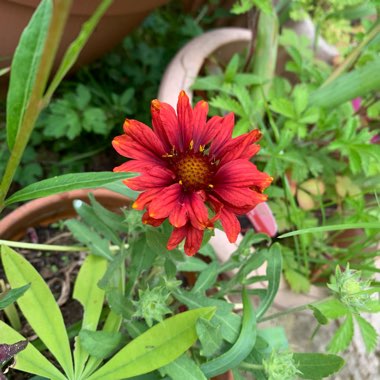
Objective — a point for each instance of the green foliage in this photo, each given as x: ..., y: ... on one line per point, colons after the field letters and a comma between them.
x: 25, y: 65
x: 280, y: 365
x: 243, y: 6
x: 317, y: 366
x: 10, y: 296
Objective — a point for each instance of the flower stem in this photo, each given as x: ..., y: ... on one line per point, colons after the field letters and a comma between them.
x: 293, y: 310
x: 251, y: 366
x: 353, y: 56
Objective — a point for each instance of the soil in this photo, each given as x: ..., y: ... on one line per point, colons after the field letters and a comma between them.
x: 59, y: 270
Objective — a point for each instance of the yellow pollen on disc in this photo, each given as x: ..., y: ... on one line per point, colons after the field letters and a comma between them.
x: 193, y: 171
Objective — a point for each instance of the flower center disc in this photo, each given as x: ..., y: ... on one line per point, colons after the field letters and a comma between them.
x: 194, y: 172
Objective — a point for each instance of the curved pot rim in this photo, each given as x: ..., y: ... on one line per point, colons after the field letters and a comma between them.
x: 44, y: 211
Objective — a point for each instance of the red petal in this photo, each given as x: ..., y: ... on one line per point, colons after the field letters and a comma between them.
x: 223, y: 134
x: 200, y: 117
x: 241, y: 173
x: 239, y: 146
x: 144, y: 198
x: 146, y: 219
x: 134, y: 166
x: 239, y: 196
x: 179, y: 216
x: 185, y: 119
x: 230, y: 225
x: 197, y: 211
x: 165, y: 124
x: 193, y: 242
x: 176, y: 237
x: 144, y: 136
x: 162, y: 205
x: 263, y: 220
x: 157, y: 177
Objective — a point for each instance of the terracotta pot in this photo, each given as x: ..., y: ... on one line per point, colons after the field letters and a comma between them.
x: 221, y: 43
x: 121, y: 18
x: 44, y: 211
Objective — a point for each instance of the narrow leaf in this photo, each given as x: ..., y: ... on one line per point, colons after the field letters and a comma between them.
x: 25, y: 63
x: 155, y: 348
x: 317, y: 366
x: 274, y: 269
x: 77, y: 45
x: 91, y: 297
x: 29, y: 360
x: 241, y: 348
x: 348, y: 86
x: 39, y: 307
x: 11, y: 296
x: 65, y: 182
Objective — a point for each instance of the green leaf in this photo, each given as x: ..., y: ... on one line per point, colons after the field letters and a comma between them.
x: 25, y: 63
x: 29, y: 360
x: 224, y: 316
x: 332, y: 308
x: 77, y: 45
x: 155, y: 348
x: 317, y: 366
x: 91, y: 297
x: 12, y: 295
x: 298, y: 282
x: 322, y: 320
x: 66, y: 182
x: 210, y: 336
x: 97, y: 245
x: 336, y: 227
x: 368, y: 332
x: 241, y: 348
x: 192, y: 264
x: 100, y: 344
x: 206, y: 278
x: 183, y: 368
x: 91, y: 219
x: 348, y: 86
x: 120, y: 188
x: 39, y: 307
x: 274, y: 269
x: 301, y: 97
x: 342, y: 336
x: 283, y: 107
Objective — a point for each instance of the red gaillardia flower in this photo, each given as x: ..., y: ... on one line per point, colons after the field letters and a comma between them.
x: 192, y: 171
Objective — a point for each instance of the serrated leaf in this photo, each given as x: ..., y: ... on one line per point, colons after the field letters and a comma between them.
x: 97, y: 245
x: 39, y: 307
x: 100, y: 344
x: 317, y: 366
x: 368, y: 333
x: 12, y: 295
x: 298, y: 282
x: 332, y: 308
x: 206, y: 278
x: 66, y: 182
x: 227, y: 104
x: 224, y: 316
x: 183, y: 368
x: 342, y: 336
x: 155, y: 348
x: 25, y: 63
x: 210, y: 336
x: 301, y: 97
x: 283, y: 107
